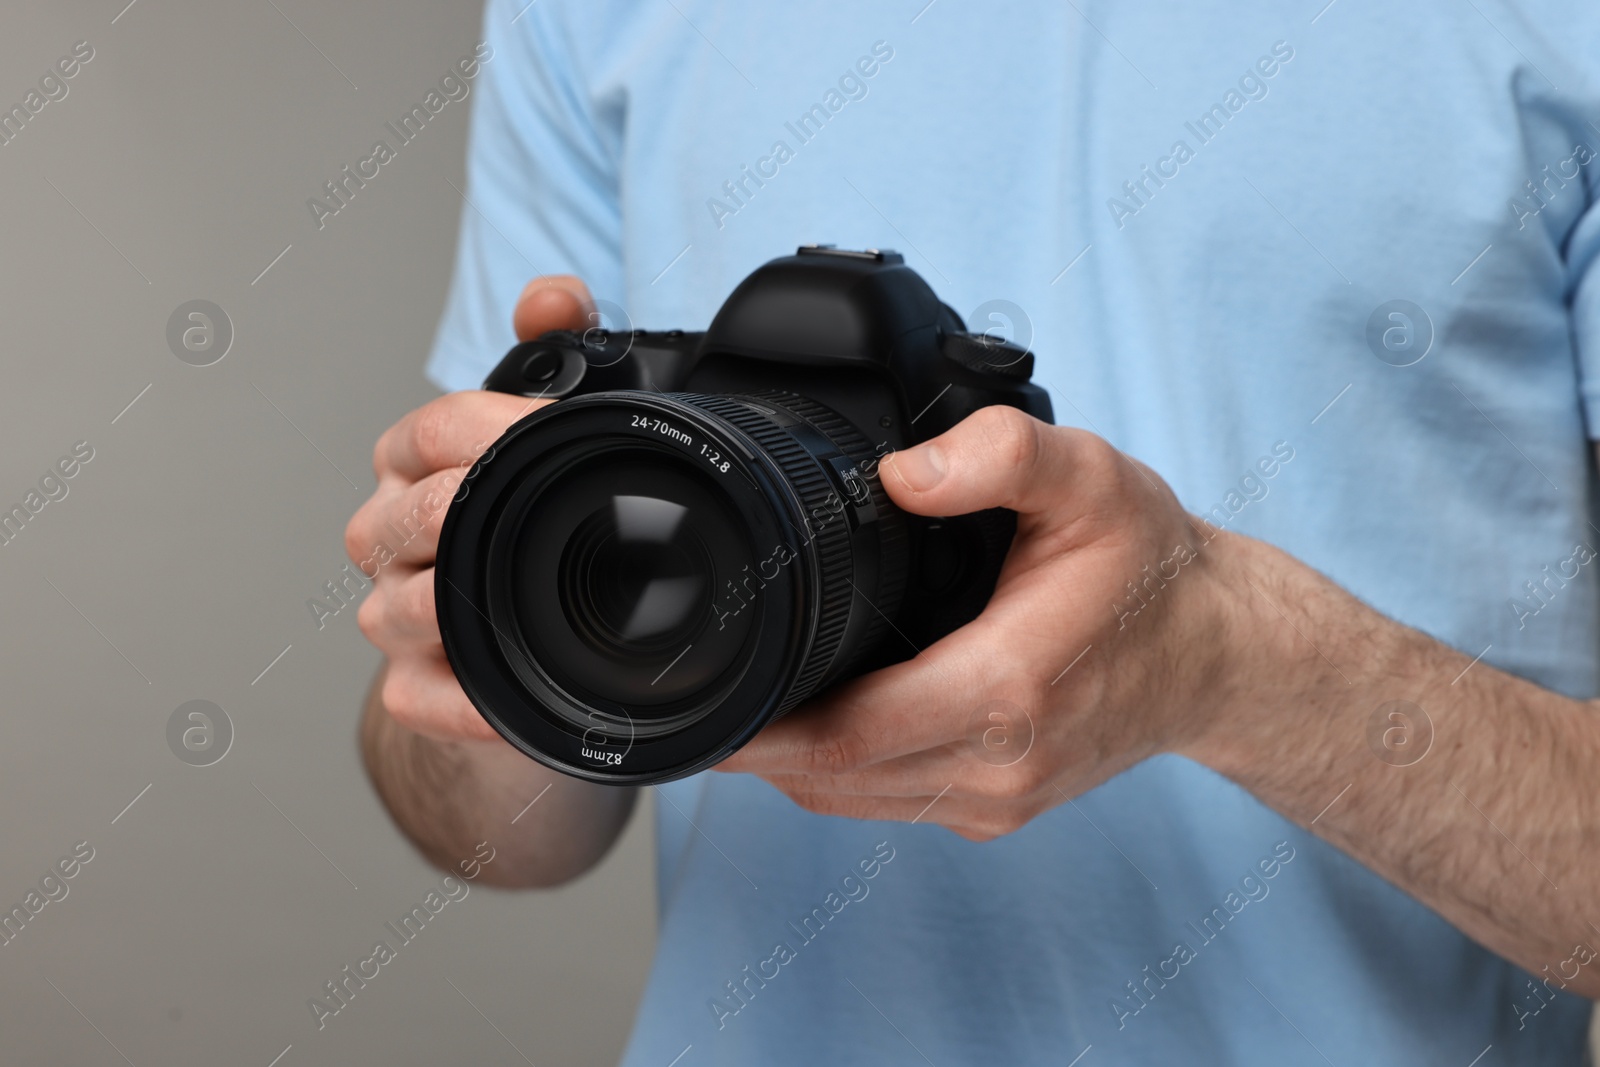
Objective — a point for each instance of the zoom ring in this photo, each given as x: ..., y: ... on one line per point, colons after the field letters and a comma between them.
x: 883, y: 601
x: 829, y: 542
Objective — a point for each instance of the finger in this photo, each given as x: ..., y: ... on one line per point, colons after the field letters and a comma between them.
x: 422, y: 694
x: 954, y: 767
x: 400, y: 522
x: 363, y: 534
x: 1001, y: 755
x: 399, y: 616
x: 974, y: 818
x: 552, y: 302
x: 879, y: 716
x: 921, y: 774
x: 885, y: 809
x: 919, y: 704
x: 938, y: 697
x: 999, y: 457
x: 452, y: 431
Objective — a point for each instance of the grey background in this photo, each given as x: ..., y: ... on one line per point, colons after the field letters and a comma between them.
x: 184, y: 552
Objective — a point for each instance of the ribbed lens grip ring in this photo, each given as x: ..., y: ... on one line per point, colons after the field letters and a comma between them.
x: 827, y: 543
x: 884, y: 598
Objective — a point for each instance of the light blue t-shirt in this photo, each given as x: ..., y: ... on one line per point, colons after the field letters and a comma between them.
x: 1351, y: 244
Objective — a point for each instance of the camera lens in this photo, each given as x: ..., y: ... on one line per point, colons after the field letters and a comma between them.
x: 612, y: 573
x: 634, y: 578
x: 630, y: 585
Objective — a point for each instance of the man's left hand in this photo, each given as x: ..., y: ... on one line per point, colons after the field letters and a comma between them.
x: 1106, y: 641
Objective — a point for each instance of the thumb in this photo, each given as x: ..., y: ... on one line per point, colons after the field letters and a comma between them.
x: 552, y: 302
x: 996, y: 457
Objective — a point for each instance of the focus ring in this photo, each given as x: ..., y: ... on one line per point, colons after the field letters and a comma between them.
x: 829, y: 543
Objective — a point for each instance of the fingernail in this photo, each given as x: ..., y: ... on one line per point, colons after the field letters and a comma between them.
x: 920, y: 468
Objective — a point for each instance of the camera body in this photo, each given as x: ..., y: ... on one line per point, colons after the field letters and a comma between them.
x: 793, y: 571
x: 858, y: 331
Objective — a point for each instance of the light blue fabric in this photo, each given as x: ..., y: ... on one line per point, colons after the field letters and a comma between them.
x: 1199, y: 319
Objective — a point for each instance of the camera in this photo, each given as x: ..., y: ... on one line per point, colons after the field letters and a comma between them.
x: 632, y: 582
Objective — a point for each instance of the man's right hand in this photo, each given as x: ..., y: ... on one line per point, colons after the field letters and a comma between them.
x: 420, y: 462
x: 451, y: 783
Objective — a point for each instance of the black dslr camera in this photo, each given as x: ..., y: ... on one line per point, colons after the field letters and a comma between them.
x: 633, y: 582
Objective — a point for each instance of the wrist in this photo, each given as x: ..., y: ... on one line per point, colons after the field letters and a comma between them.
x: 1295, y: 656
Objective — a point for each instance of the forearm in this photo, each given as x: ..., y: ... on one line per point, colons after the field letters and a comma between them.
x: 447, y: 796
x: 1496, y: 827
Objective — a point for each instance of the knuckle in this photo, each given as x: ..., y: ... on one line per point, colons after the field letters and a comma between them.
x: 369, y: 616
x: 1021, y: 780
x: 1100, y: 462
x: 840, y: 751
x: 1007, y: 819
x: 356, y: 537
x: 401, y: 695
x: 353, y: 540
x: 820, y: 803
x: 414, y: 698
x: 1011, y: 435
x: 430, y: 431
x: 414, y: 602
x: 1013, y: 821
x: 1004, y: 783
x: 1035, y: 778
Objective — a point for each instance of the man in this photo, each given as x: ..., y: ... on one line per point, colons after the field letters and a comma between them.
x: 1301, y: 622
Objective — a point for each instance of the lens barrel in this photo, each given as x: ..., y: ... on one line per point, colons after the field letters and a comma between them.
x: 630, y: 584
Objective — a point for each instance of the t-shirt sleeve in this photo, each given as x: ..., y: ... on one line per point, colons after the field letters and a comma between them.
x: 541, y: 188
x: 1583, y: 259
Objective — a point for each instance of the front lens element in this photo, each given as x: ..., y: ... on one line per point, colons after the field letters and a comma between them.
x: 613, y: 572
x: 636, y: 578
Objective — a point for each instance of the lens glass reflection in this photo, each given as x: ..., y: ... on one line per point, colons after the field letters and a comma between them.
x: 616, y: 573
x: 636, y: 575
